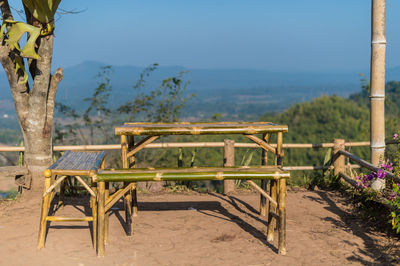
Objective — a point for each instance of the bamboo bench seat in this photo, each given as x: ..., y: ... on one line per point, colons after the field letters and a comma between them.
x: 70, y: 165
x: 133, y: 175
x: 193, y: 173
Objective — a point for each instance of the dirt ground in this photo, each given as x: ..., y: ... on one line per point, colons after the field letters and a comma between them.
x: 200, y: 229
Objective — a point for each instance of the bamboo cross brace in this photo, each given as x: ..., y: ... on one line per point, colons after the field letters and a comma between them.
x: 262, y: 143
x: 85, y: 186
x: 265, y: 194
x: 68, y: 219
x: 116, y: 196
x: 58, y: 181
x: 142, y: 144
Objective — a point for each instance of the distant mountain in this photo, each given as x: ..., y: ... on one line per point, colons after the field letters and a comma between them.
x: 227, y: 91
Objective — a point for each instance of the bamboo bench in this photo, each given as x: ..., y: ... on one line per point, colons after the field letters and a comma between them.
x: 71, y: 164
x: 131, y: 176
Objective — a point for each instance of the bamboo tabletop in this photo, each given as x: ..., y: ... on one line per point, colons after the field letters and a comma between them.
x: 198, y: 128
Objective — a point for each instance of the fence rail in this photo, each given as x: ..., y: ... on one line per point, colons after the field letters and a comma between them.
x: 366, y: 164
x: 211, y: 145
x: 192, y: 145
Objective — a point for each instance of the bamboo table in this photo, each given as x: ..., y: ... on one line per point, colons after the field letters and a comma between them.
x: 153, y: 131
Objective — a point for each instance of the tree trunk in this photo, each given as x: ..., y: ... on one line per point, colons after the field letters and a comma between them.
x: 34, y: 107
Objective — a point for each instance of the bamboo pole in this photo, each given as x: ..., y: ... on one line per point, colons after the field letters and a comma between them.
x: 69, y: 219
x: 264, y: 161
x: 272, y: 211
x: 282, y: 217
x: 128, y: 195
x: 100, y: 219
x: 174, y: 175
x: 367, y: 165
x: 61, y: 196
x: 229, y: 160
x: 116, y: 196
x: 279, y: 151
x: 195, y: 145
x: 377, y: 81
x: 132, y: 148
x: 348, y: 179
x: 262, y: 192
x: 94, y: 214
x: 141, y: 144
x: 50, y: 188
x: 106, y: 214
x: 261, y: 143
x: 45, y: 210
x: 91, y: 192
x: 199, y: 129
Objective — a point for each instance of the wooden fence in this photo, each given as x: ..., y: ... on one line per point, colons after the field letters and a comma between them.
x: 336, y: 145
x: 337, y: 162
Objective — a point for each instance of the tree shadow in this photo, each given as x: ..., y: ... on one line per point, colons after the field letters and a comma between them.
x: 351, y: 223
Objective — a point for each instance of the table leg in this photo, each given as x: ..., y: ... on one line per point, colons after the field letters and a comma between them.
x: 107, y: 214
x: 93, y: 205
x: 264, y: 161
x: 282, y: 216
x: 100, y: 220
x: 134, y: 200
x: 279, y: 151
x: 128, y: 210
x: 132, y: 161
x: 272, y: 210
x: 128, y: 195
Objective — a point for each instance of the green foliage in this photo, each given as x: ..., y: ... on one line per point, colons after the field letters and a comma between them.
x: 321, y: 120
x: 395, y: 203
x: 43, y: 11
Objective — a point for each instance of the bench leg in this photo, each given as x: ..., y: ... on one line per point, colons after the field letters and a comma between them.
x: 134, y: 201
x: 282, y: 216
x: 107, y: 215
x: 100, y: 220
x: 93, y: 206
x: 45, y: 210
x: 128, y: 211
x: 272, y: 211
x: 263, y: 201
x: 62, y: 195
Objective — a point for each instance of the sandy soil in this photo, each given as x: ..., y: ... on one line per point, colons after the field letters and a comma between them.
x: 200, y: 229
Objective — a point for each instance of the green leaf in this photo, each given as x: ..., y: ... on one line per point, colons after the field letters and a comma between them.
x: 19, y: 64
x: 15, y: 32
x: 42, y: 10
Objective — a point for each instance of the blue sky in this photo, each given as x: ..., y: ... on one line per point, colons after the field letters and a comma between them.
x: 285, y: 35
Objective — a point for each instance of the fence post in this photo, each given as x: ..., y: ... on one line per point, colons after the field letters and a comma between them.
x: 229, y: 160
x: 337, y: 159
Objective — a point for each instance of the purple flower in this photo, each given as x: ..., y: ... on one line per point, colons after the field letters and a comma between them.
x: 380, y: 174
x: 392, y: 196
x: 388, y: 167
x: 395, y: 136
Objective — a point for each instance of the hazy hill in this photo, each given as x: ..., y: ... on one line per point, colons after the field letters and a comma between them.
x: 238, y: 93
